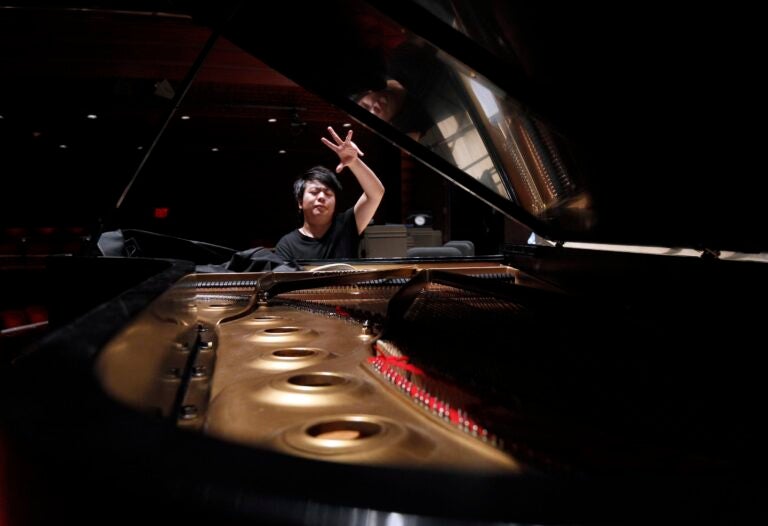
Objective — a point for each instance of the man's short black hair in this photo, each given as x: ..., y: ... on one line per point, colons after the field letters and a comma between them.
x: 322, y: 175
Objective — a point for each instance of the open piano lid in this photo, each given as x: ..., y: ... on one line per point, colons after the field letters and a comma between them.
x: 623, y: 127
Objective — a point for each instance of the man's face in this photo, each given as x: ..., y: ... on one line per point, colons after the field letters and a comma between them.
x: 318, y: 202
x: 379, y: 103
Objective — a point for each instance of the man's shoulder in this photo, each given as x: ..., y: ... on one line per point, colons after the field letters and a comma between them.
x: 289, y: 239
x: 346, y: 214
x: 345, y: 221
x: 287, y: 245
x: 293, y: 234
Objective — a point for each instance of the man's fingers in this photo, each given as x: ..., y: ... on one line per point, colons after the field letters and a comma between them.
x: 335, y: 135
x: 329, y: 144
x: 340, y: 145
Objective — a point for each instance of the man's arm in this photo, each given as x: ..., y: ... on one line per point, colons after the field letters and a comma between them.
x: 373, y: 190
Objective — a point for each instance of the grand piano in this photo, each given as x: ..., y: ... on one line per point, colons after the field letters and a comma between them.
x: 610, y: 371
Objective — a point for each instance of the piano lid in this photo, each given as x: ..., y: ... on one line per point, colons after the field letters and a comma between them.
x: 620, y: 126
x: 632, y: 131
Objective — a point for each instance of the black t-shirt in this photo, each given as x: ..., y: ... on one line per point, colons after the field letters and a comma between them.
x: 340, y: 242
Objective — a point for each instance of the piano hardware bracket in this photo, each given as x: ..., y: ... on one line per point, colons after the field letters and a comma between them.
x: 190, y: 404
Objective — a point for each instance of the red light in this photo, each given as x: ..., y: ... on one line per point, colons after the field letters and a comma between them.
x: 13, y: 318
x: 36, y: 313
x: 161, y: 213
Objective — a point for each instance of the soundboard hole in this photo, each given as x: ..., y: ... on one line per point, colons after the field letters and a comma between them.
x: 281, y: 330
x: 294, y: 353
x: 317, y: 380
x: 344, y: 430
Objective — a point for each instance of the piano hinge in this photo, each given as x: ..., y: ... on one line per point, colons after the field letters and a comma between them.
x: 559, y: 243
x: 708, y: 253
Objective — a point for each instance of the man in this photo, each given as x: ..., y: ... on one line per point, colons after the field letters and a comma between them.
x: 325, y: 235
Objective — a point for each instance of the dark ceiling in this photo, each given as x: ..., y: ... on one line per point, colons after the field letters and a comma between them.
x: 112, y: 63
